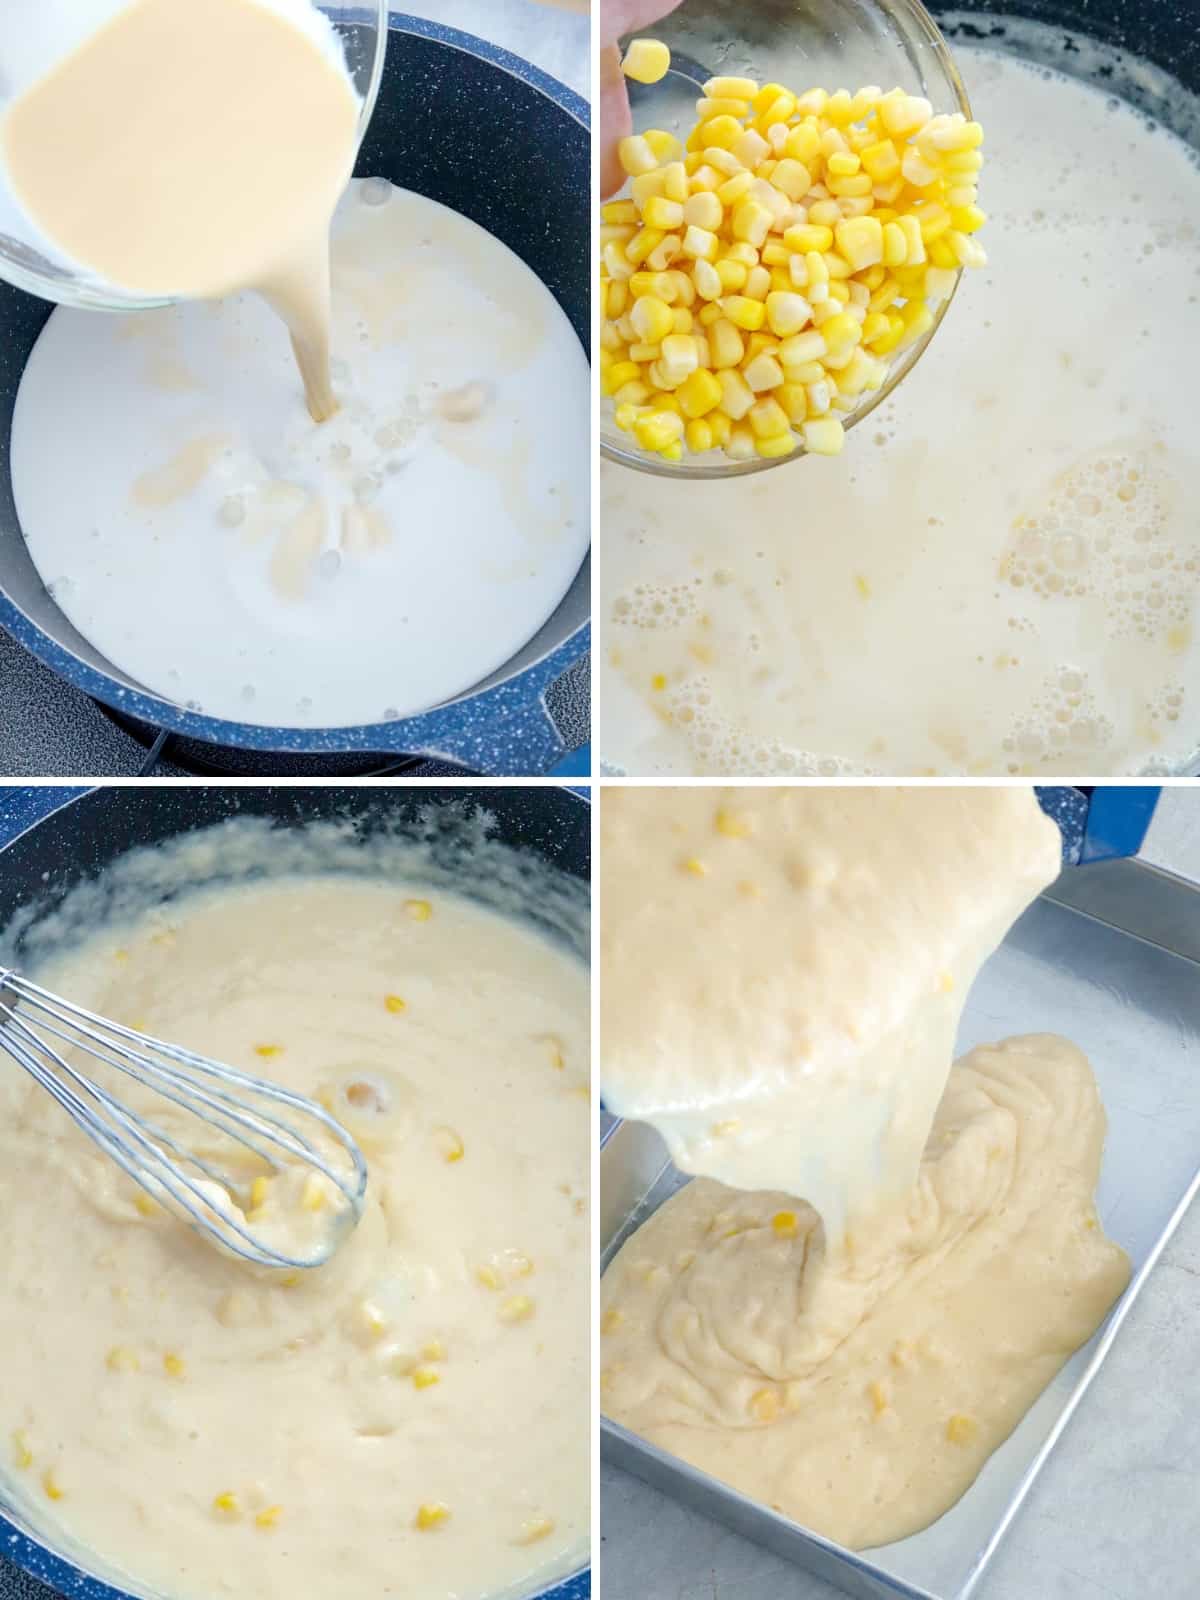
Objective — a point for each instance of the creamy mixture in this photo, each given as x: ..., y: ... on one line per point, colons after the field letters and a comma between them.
x: 862, y: 1399
x: 1000, y: 574
x: 849, y: 1330
x: 411, y: 1418
x: 784, y: 970
x: 205, y: 149
x: 221, y: 550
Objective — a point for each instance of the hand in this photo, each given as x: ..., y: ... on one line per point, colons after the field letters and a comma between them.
x: 619, y: 17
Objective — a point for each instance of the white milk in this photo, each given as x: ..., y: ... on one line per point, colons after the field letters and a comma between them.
x: 1000, y: 573
x: 218, y: 547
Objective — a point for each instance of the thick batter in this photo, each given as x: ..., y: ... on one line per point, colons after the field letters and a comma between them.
x: 862, y: 1400
x: 784, y: 970
x: 410, y: 1419
x: 851, y: 1330
x: 1000, y: 573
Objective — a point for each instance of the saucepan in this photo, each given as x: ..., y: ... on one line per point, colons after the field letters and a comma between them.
x: 494, y: 138
x: 54, y: 839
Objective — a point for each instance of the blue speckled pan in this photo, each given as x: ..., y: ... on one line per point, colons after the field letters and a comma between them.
x: 489, y: 135
x: 52, y: 838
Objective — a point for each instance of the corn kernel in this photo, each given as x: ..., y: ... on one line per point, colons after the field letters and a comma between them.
x: 431, y: 1515
x: 395, y: 1004
x: 51, y: 1486
x: 518, y: 1309
x: 227, y: 1505
x: 535, y: 1528
x: 784, y: 1224
x: 611, y: 1320
x: 122, y: 1359
x: 433, y: 1350
x: 646, y: 61
x: 449, y: 1143
x: 425, y: 1377
x: 174, y: 1365
x: 418, y: 910
x: 268, y: 1051
x: 764, y: 1405
x: 636, y: 156
x: 665, y: 146
x: 22, y: 1454
x: 269, y: 1517
x: 961, y: 1429
x: 824, y: 436
x: 880, y: 1397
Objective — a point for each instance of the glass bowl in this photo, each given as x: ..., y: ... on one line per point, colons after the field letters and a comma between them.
x: 363, y: 32
x: 804, y: 44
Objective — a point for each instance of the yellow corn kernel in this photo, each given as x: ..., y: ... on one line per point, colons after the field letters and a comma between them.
x: 395, y: 1004
x: 290, y: 1280
x: 768, y: 420
x: 658, y: 682
x: 489, y: 1277
x: 673, y: 452
x: 794, y: 400
x: 268, y: 1518
x: 860, y: 241
x: 227, y: 1505
x: 449, y: 1143
x: 646, y: 61
x: 22, y: 1454
x: 636, y: 156
x: 418, y: 910
x: 731, y: 88
x: 784, y: 1224
x: 533, y: 1529
x: 725, y: 343
x: 433, y: 1350
x: 665, y: 146
x: 659, y: 429
x: 880, y: 1397
x: 267, y: 1051
x: 824, y: 436
x: 619, y: 213
x: 744, y: 312
x: 652, y: 319
x: 862, y: 585
x: 122, y: 1359
x: 736, y: 394
x: 961, y: 1429
x: 841, y: 331
x: 764, y: 1405
x: 174, y: 1365
x: 51, y: 1486
x: 732, y: 824
x: 425, y: 1377
x: 775, y: 444
x: 721, y: 428
x: 699, y: 394
x: 787, y: 314
x: 259, y: 1190
x: 611, y: 1320
x: 518, y: 1309
x: 315, y: 1192
x: 663, y: 213
x: 431, y: 1515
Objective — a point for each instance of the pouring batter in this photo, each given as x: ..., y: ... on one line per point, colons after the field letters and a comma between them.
x: 190, y: 151
x: 412, y: 1417
x: 849, y: 1332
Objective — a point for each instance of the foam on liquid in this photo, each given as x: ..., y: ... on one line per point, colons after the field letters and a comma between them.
x: 216, y: 546
x: 1000, y: 574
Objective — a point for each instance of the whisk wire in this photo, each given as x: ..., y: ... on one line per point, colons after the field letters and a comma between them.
x: 206, y: 1089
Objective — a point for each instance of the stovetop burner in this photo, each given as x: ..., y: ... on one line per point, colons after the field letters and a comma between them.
x: 167, y: 752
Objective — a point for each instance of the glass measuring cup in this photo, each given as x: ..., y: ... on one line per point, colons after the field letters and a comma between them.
x: 804, y: 44
x: 49, y: 30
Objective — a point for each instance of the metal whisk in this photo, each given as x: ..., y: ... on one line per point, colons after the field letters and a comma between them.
x: 37, y: 1028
